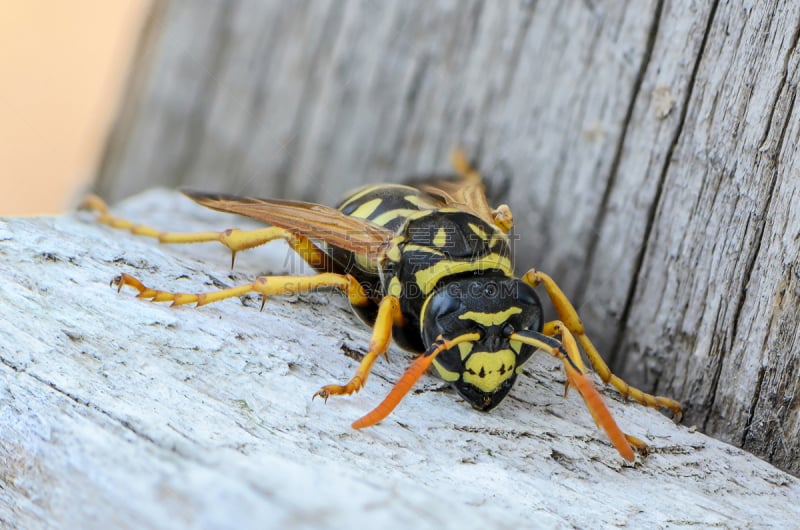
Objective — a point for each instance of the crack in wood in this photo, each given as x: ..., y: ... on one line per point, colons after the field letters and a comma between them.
x: 591, y: 250
x: 653, y: 209
x: 748, y: 275
x: 752, y: 411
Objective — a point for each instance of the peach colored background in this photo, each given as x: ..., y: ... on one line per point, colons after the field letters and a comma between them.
x: 62, y: 68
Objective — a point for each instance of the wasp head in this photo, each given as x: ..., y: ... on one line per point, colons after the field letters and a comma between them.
x: 482, y: 371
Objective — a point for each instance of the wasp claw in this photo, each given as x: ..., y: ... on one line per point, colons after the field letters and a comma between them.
x: 263, y: 302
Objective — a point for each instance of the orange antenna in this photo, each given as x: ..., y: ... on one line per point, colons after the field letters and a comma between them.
x: 413, y: 372
x: 570, y: 356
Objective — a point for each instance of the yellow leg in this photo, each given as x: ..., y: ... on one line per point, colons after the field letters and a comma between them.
x: 388, y: 315
x: 233, y: 238
x: 265, y: 285
x: 568, y: 314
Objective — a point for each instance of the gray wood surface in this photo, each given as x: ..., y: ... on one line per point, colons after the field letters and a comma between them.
x: 648, y: 148
x: 121, y: 413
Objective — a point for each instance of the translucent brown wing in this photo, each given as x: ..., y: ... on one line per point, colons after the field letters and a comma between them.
x: 308, y: 219
x: 464, y: 191
x: 461, y: 194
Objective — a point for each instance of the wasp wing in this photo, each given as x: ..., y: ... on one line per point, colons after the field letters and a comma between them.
x: 464, y: 191
x: 308, y: 219
x: 461, y: 194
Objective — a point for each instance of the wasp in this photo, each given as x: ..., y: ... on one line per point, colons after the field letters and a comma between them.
x: 428, y: 265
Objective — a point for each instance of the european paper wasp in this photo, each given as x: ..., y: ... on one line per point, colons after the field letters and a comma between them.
x: 427, y: 265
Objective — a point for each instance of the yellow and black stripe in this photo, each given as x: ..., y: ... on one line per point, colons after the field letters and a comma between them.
x: 432, y: 245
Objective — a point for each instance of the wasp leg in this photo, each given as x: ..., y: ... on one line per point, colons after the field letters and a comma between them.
x: 567, y: 351
x: 388, y: 315
x: 502, y: 214
x: 232, y: 238
x: 568, y: 314
x: 639, y: 445
x: 265, y: 285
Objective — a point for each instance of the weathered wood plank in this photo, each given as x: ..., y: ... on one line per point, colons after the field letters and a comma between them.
x: 715, y: 300
x: 121, y: 413
x: 648, y: 148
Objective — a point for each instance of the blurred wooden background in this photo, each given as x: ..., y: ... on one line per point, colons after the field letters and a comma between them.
x: 647, y: 149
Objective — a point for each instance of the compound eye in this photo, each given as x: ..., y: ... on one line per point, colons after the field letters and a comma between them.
x: 526, y: 294
x: 444, y: 304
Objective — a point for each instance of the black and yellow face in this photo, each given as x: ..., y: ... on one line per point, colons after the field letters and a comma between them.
x: 482, y: 371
